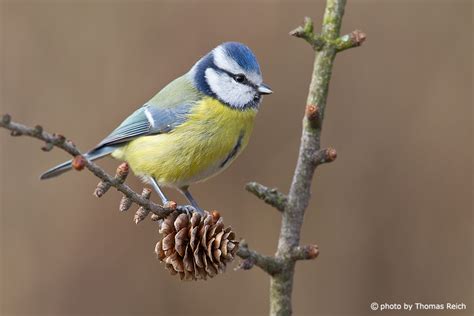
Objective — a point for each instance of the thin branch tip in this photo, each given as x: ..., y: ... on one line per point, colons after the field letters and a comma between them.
x: 308, y: 24
x: 354, y: 39
x: 125, y: 204
x: 325, y: 155
x: 306, y: 32
x: 270, y: 196
x: 330, y: 155
x: 101, y: 189
x: 142, y: 212
x: 308, y: 252
x: 306, y: 29
x: 359, y: 37
x: 251, y: 258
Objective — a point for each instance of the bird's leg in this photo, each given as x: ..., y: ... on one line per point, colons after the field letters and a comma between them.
x: 155, y: 186
x: 191, y: 200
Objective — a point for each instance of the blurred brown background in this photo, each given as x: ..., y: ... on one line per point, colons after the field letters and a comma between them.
x: 392, y: 216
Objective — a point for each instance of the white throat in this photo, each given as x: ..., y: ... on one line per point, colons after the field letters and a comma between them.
x: 228, y: 90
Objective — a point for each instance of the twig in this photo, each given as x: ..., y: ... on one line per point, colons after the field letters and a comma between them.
x: 354, y: 39
x: 269, y: 264
x: 308, y: 252
x: 79, y: 162
x: 306, y: 32
x: 269, y: 195
x: 142, y: 212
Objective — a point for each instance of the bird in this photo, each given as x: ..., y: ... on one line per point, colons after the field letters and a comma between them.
x: 193, y: 128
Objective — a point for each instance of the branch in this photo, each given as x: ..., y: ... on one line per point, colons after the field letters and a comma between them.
x: 317, y: 41
x: 327, y: 44
x: 270, y: 265
x: 354, y: 39
x: 79, y: 162
x: 324, y: 156
x: 270, y: 196
x: 306, y: 32
x: 308, y: 252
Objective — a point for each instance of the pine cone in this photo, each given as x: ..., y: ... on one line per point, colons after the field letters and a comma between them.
x: 196, y: 246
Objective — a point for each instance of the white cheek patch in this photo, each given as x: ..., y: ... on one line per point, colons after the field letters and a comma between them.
x: 229, y: 91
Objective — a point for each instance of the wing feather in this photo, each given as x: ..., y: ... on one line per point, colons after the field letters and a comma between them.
x: 165, y: 111
x: 145, y: 121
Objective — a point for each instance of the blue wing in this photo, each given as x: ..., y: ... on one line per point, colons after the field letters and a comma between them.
x: 147, y: 120
x: 161, y: 114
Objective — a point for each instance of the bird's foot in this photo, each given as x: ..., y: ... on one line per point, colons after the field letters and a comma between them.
x: 189, y: 209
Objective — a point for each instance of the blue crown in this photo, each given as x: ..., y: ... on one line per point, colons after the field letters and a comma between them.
x: 242, y: 55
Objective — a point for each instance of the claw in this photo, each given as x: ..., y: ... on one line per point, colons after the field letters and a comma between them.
x: 188, y: 209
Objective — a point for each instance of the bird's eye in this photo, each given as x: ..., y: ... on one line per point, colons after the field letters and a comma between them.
x: 239, y: 78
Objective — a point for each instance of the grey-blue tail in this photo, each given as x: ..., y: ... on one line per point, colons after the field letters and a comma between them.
x: 66, y: 166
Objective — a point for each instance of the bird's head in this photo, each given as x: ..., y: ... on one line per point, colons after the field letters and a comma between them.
x: 230, y: 73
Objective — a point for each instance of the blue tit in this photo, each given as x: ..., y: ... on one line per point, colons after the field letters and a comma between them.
x: 193, y: 128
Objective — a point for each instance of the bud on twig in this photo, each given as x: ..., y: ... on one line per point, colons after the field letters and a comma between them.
x: 354, y: 39
x: 313, y: 114
x: 307, y: 252
x: 38, y: 130
x: 171, y: 205
x: 358, y: 37
x: 78, y: 163
x: 325, y: 155
x: 331, y: 155
x: 142, y: 212
x: 101, y: 189
x: 125, y: 203
x: 47, y: 147
x: 6, y: 119
x: 306, y: 32
x: 59, y: 138
x: 122, y: 172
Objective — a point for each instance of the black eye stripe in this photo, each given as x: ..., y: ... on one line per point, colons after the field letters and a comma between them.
x: 245, y: 81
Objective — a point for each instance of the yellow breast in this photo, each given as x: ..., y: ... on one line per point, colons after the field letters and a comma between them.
x: 204, y: 145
